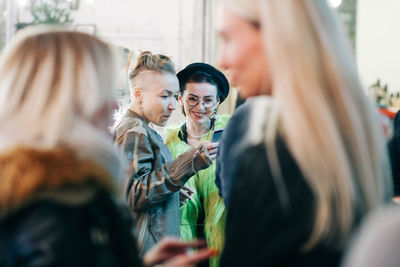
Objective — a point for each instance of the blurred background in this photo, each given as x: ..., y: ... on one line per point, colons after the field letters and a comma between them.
x: 186, y: 31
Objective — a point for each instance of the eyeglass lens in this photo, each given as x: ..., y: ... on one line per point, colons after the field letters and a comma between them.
x: 194, y: 101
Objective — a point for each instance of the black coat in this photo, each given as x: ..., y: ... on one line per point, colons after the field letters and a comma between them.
x: 50, y: 233
x: 58, y: 210
x: 260, y: 230
x: 394, y: 152
x: 229, y: 148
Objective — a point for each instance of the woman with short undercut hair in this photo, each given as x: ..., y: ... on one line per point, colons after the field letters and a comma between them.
x: 154, y: 179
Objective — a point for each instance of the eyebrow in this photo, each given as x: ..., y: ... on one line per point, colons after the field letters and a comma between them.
x: 203, y: 96
x: 167, y: 91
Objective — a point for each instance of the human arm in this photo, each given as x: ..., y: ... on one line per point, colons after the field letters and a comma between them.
x: 171, y: 252
x: 147, y: 184
x: 377, y: 242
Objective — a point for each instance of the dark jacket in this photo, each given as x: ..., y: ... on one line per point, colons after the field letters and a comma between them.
x: 153, y: 178
x: 260, y: 229
x: 394, y: 152
x: 58, y: 211
x: 229, y: 148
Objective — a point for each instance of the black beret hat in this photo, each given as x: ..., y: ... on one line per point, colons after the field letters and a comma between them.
x: 218, y: 76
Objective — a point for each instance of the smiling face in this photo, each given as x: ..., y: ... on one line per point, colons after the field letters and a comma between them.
x: 206, y: 96
x: 243, y: 54
x: 158, y: 96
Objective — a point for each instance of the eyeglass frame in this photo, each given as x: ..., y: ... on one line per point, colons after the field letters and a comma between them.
x: 214, y: 102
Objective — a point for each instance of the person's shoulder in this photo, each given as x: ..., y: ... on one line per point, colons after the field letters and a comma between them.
x: 129, y: 122
x: 253, y: 102
x: 62, y: 212
x: 397, y: 116
x: 253, y: 153
x: 377, y: 242
x: 48, y: 226
x: 241, y: 111
x: 396, y: 121
x: 172, y: 134
x: 41, y: 221
x: 130, y: 127
x: 135, y: 125
x: 257, y: 156
x: 241, y: 116
x: 221, y: 120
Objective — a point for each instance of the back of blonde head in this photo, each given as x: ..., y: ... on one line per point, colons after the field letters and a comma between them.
x: 329, y: 125
x: 52, y: 83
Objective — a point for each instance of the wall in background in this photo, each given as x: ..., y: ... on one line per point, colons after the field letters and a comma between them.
x: 378, y: 42
x: 182, y: 29
x: 160, y: 26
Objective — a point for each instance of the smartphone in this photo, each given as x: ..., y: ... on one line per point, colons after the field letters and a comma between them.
x: 217, y: 135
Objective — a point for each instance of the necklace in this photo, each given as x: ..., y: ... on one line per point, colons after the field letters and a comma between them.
x: 196, y: 136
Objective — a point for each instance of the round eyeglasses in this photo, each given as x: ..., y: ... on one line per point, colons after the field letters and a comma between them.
x: 194, y: 101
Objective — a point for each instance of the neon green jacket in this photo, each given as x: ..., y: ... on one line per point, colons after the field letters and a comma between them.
x: 206, y: 199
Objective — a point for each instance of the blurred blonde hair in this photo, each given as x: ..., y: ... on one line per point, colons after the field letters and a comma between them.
x: 53, y: 82
x: 322, y: 112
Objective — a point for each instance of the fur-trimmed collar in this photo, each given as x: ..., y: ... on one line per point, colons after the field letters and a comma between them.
x: 26, y: 173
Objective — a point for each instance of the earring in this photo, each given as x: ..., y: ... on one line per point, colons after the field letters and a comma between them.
x: 213, y: 118
x: 213, y: 115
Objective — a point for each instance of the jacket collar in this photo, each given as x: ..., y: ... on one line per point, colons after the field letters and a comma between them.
x: 131, y: 113
x: 28, y: 174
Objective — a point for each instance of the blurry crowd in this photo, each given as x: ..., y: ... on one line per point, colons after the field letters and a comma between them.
x: 301, y: 174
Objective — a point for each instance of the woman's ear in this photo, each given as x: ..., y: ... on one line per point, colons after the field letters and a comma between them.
x: 180, y: 98
x: 137, y: 92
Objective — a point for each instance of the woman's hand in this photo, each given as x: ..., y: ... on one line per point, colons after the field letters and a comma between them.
x: 212, y: 149
x: 185, y: 193
x: 170, y: 252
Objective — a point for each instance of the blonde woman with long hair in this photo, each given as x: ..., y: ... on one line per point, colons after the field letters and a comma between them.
x: 59, y: 169
x: 314, y: 162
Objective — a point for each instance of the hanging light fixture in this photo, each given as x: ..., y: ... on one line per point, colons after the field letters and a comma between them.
x: 335, y: 3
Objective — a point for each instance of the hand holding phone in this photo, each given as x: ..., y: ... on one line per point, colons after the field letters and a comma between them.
x: 212, y: 148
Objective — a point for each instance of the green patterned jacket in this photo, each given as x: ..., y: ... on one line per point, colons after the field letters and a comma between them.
x: 206, y: 199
